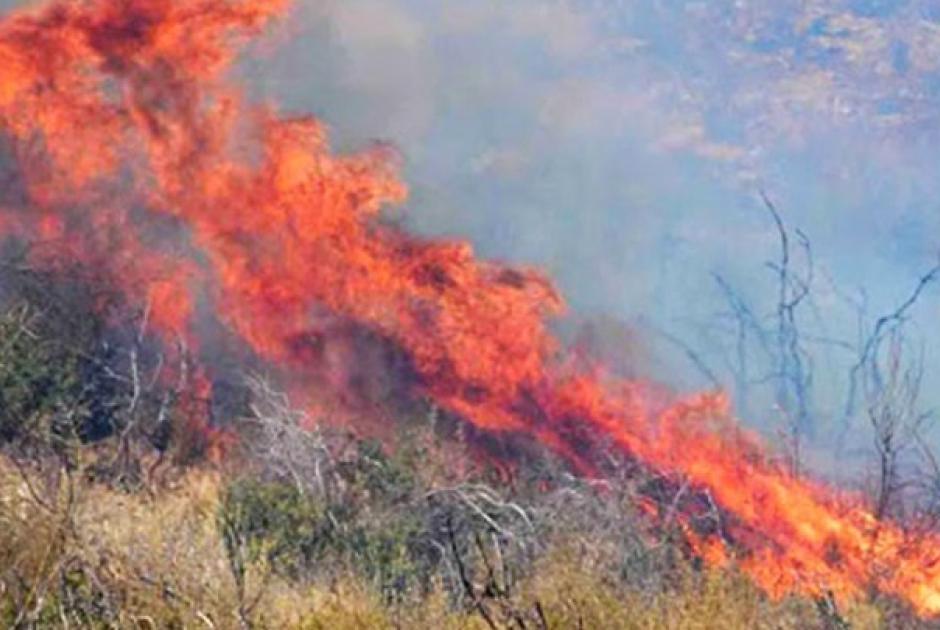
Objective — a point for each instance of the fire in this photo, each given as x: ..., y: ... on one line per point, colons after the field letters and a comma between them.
x: 126, y: 145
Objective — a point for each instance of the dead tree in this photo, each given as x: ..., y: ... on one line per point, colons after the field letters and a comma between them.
x: 780, y: 347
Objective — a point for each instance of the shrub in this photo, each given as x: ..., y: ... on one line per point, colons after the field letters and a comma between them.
x: 41, y: 384
x: 273, y: 521
x: 305, y: 538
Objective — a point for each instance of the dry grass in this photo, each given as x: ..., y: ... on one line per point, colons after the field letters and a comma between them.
x: 575, y: 595
x: 145, y: 561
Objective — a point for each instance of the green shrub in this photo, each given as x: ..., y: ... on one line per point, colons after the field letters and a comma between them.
x: 41, y: 388
x: 272, y: 521
x: 303, y: 538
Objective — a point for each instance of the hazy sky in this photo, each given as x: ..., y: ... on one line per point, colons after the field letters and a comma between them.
x: 621, y: 144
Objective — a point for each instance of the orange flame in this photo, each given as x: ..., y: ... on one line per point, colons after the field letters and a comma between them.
x: 126, y: 146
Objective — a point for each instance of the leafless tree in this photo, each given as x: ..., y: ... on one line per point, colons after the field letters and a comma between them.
x: 288, y: 442
x: 781, y: 348
x: 771, y: 349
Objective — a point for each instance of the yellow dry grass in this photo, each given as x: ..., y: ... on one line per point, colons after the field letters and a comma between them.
x: 162, y: 560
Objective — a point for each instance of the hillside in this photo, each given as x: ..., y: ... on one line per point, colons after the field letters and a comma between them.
x: 116, y: 512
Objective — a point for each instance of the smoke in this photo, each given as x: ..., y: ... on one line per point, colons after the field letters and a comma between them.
x: 621, y: 148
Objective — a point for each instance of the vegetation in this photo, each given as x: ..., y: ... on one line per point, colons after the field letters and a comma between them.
x: 113, y: 514
x: 214, y: 549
